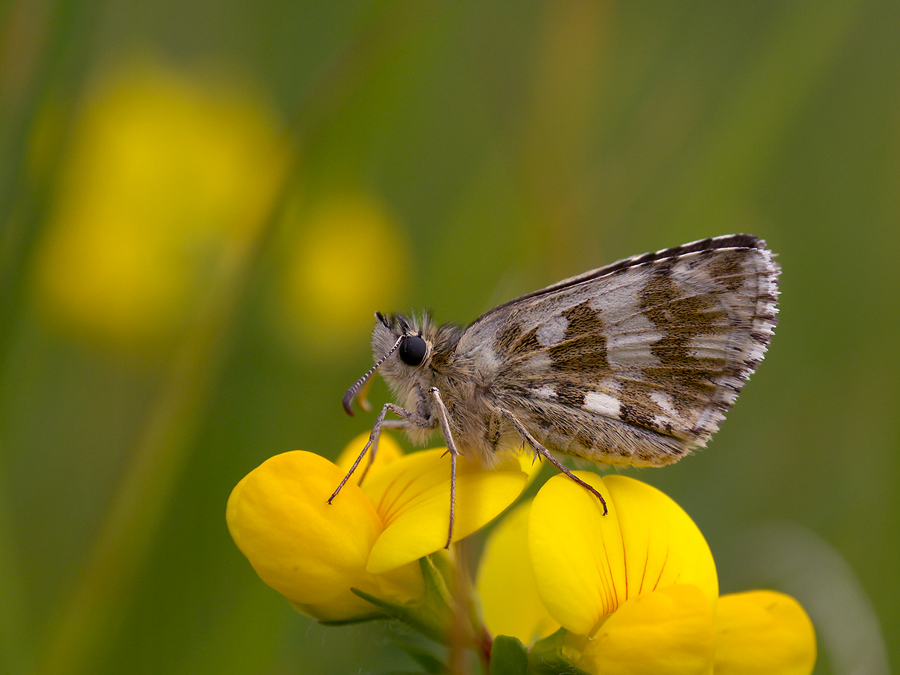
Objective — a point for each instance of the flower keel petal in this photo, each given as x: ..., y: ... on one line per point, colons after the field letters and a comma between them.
x: 667, y: 631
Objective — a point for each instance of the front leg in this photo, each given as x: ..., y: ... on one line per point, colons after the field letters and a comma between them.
x: 444, y: 418
x: 410, y: 417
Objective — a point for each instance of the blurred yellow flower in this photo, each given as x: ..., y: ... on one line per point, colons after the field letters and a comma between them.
x: 348, y: 260
x: 369, y: 538
x: 636, y: 589
x: 166, y: 179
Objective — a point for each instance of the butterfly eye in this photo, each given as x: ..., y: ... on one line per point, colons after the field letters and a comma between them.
x: 412, y: 350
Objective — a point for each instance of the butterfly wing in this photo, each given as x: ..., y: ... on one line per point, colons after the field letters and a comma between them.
x: 638, y: 361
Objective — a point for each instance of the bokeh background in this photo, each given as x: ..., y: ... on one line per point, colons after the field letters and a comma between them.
x: 203, y: 203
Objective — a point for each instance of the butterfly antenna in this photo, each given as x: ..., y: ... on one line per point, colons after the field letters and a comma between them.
x: 351, y: 392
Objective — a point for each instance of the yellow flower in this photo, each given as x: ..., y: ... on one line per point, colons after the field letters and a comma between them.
x: 167, y: 177
x: 636, y: 589
x: 369, y: 538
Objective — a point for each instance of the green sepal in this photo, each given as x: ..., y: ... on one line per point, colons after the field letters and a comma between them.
x: 508, y: 656
x: 553, y: 656
x: 433, y: 616
x: 375, y: 616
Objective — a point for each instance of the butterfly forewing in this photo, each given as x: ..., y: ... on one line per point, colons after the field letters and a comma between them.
x: 636, y: 362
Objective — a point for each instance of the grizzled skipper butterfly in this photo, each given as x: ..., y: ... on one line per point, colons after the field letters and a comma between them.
x: 633, y: 363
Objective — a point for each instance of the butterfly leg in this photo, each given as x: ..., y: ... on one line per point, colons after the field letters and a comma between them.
x: 444, y: 418
x: 544, y: 452
x: 410, y: 417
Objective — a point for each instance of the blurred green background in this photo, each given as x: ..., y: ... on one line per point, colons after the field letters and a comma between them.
x: 203, y: 203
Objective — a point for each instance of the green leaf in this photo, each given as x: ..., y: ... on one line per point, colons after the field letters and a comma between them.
x: 508, y: 656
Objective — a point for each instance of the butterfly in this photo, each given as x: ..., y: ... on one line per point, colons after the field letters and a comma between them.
x: 635, y: 363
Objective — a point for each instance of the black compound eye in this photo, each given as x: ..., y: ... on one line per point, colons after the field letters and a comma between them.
x: 412, y: 350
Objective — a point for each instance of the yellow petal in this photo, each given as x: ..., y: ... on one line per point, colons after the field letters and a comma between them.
x: 412, y: 496
x: 509, y: 598
x: 763, y: 633
x: 309, y: 551
x: 587, y: 564
x: 388, y: 451
x: 669, y: 631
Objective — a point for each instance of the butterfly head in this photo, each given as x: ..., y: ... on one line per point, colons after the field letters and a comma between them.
x: 402, y: 348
